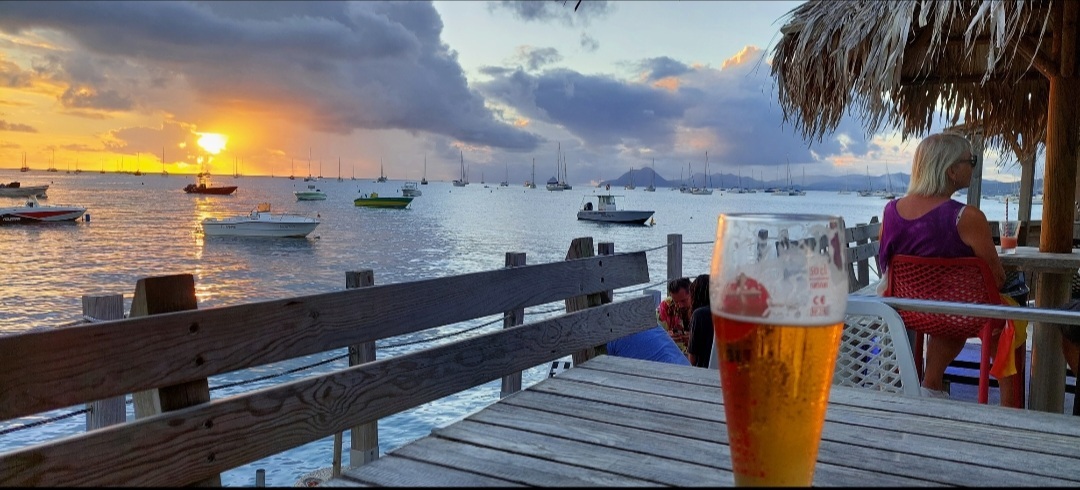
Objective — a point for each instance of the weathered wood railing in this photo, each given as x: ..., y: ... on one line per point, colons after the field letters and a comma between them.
x: 195, y: 441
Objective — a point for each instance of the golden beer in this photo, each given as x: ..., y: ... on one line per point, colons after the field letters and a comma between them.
x: 776, y: 388
x: 778, y: 291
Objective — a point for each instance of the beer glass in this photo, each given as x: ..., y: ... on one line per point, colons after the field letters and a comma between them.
x: 778, y: 292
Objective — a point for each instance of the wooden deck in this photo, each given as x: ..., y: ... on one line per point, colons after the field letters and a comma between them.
x: 616, y: 421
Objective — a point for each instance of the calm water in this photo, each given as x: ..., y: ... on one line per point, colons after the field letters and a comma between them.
x: 147, y: 226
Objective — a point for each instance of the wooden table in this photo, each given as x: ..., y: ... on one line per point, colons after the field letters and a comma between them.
x: 1047, y: 388
x: 616, y: 421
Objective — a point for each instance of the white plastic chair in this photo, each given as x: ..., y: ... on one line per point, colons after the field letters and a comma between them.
x: 874, y: 349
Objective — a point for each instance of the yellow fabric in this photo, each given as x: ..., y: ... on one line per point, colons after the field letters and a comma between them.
x: 1005, y: 359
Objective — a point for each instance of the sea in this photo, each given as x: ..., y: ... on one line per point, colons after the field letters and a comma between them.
x: 144, y: 226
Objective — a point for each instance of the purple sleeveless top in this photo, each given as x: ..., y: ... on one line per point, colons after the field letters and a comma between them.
x: 934, y: 234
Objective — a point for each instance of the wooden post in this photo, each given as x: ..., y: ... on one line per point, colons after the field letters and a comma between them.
x: 582, y: 248
x: 109, y: 411
x: 364, y: 443
x: 862, y: 274
x: 166, y: 294
x: 511, y: 383
x: 260, y: 477
x: 974, y: 192
x: 674, y: 256
x: 1059, y: 201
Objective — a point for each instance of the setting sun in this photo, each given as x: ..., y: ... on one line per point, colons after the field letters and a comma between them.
x: 213, y: 142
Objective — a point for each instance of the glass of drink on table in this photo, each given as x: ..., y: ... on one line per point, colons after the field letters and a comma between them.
x: 778, y: 290
x: 1010, y: 236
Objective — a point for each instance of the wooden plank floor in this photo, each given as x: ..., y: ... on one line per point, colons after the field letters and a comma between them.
x: 622, y: 422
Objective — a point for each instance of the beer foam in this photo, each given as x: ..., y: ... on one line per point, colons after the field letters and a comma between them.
x: 802, y: 280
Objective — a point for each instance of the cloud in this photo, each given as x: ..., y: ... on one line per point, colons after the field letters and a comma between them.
x: 588, y: 43
x: 16, y: 127
x: 562, y: 12
x: 535, y: 58
x: 662, y: 67
x: 333, y: 66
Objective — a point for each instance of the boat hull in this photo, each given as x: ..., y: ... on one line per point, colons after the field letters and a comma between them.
x: 24, y: 191
x: 310, y: 196
x: 383, y: 202
x: 621, y: 216
x: 217, y: 191
x: 280, y: 228
x: 44, y: 214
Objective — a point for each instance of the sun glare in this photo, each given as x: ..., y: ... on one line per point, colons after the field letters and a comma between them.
x: 212, y: 142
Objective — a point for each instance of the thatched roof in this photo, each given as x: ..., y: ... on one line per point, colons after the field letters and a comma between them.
x: 896, y: 63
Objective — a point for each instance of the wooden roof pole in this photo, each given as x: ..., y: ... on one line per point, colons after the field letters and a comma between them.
x: 1062, y: 135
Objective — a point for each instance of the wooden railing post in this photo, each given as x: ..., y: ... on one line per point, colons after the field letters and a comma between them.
x: 581, y: 248
x: 364, y: 447
x: 674, y: 256
x: 109, y: 411
x: 166, y: 294
x: 511, y: 383
x: 862, y: 273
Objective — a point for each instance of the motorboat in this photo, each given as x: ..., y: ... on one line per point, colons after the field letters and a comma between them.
x: 261, y: 223
x: 311, y: 194
x: 409, y: 189
x: 203, y: 187
x: 374, y: 200
x: 606, y: 211
x: 15, y: 189
x: 35, y: 212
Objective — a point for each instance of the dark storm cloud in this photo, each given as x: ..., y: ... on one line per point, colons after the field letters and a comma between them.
x: 600, y: 109
x: 109, y: 100
x: 335, y: 66
x: 662, y: 67
x: 12, y: 76
x: 535, y: 58
x: 555, y: 11
x: 16, y: 127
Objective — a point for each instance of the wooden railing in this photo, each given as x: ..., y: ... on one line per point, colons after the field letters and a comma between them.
x: 195, y: 438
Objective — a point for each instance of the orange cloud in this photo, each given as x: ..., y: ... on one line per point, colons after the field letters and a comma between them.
x: 745, y: 54
x: 522, y: 122
x: 670, y: 84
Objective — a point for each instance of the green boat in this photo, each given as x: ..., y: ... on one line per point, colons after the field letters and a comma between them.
x: 374, y: 201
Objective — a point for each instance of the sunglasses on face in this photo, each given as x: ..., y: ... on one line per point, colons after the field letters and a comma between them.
x: 973, y: 161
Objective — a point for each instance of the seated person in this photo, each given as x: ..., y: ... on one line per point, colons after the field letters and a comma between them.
x: 674, y: 312
x: 653, y: 344
x: 700, y: 346
x: 927, y: 222
x: 1070, y: 339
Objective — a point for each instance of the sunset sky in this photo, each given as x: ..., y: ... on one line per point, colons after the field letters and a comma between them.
x: 269, y: 84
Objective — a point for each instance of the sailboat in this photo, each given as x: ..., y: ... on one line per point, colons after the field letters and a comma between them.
x: 52, y: 166
x: 308, y: 178
x: 292, y: 169
x: 382, y: 176
x: 339, y: 179
x: 700, y: 191
x: 558, y: 183
x: 138, y: 164
x: 652, y: 183
x: 888, y: 182
x: 164, y: 173
x: 463, y: 181
x: 77, y: 171
x: 870, y: 185
x: 353, y: 167
x: 506, y: 179
x: 531, y: 184
x: 423, y: 180
x: 630, y: 185
x: 235, y: 169
x: 25, y: 167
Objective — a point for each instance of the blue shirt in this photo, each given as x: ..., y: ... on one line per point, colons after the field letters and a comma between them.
x: 653, y: 344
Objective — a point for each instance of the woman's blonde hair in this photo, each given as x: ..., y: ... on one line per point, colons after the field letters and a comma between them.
x: 933, y: 157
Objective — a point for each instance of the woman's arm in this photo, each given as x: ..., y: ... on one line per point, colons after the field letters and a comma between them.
x: 975, y: 232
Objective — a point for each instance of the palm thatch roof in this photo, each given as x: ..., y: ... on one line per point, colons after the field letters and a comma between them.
x: 898, y: 63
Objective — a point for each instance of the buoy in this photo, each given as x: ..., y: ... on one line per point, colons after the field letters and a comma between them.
x: 86, y: 217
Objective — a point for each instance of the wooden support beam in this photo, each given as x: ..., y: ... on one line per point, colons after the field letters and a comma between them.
x: 110, y: 411
x: 364, y: 438
x: 1045, y: 66
x: 511, y: 383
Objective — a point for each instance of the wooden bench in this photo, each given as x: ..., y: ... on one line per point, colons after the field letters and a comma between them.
x: 195, y: 438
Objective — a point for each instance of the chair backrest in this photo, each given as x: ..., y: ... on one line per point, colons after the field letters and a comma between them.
x: 963, y: 280
x: 874, y: 350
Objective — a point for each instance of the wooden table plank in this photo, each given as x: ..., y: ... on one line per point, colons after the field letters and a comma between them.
x: 625, y: 422
x: 392, y: 471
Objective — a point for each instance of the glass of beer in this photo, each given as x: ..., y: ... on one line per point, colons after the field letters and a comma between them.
x: 778, y: 289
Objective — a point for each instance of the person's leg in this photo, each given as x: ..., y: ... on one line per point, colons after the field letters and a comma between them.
x: 940, y: 351
x: 1071, y: 352
x: 1010, y: 395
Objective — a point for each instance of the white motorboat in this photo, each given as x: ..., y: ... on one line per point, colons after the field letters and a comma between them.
x: 261, y: 223
x: 311, y: 194
x: 606, y: 211
x: 35, y: 212
x: 409, y: 189
x: 15, y: 189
